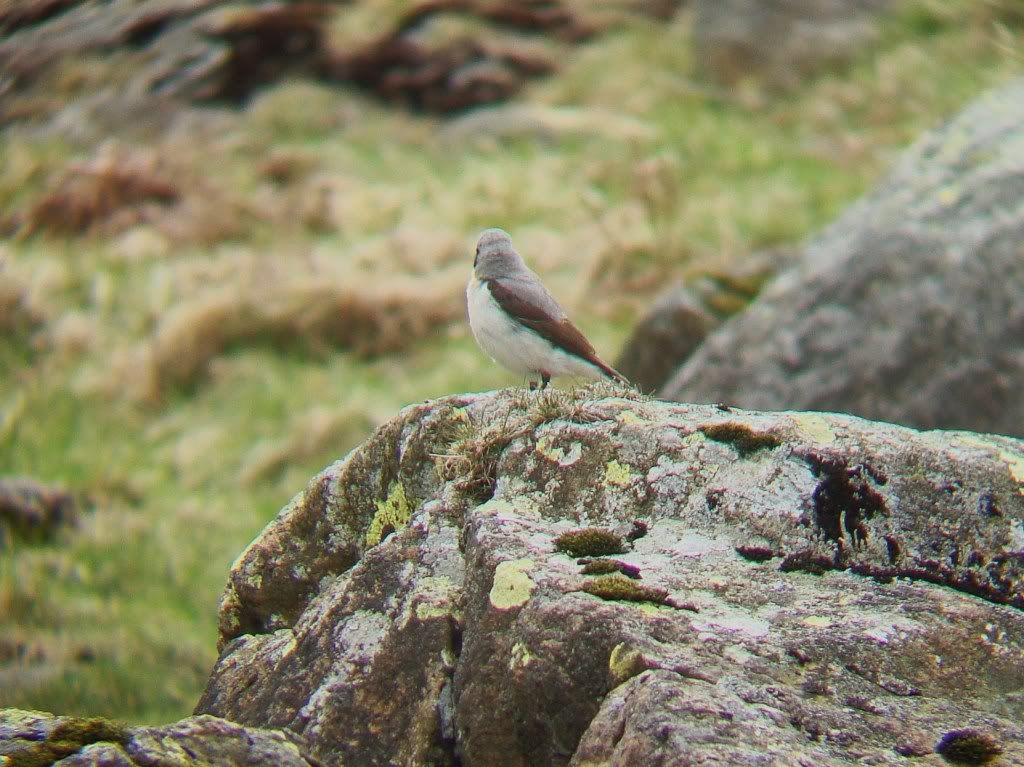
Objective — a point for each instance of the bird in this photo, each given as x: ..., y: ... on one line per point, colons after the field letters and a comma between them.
x: 519, y: 324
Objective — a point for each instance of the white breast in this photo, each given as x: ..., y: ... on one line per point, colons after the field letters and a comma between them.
x: 513, y: 346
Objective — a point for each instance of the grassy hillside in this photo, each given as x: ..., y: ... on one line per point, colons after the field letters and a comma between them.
x: 179, y: 366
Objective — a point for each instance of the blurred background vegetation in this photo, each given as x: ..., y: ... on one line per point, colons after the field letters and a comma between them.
x: 203, y: 305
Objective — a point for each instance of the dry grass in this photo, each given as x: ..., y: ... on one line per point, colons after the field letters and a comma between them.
x: 168, y: 187
x: 370, y: 314
x: 113, y: 191
x: 18, y: 311
x: 309, y: 435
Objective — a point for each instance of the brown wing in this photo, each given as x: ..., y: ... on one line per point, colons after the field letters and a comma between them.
x: 554, y: 328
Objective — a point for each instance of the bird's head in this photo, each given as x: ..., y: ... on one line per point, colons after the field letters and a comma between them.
x: 495, y: 256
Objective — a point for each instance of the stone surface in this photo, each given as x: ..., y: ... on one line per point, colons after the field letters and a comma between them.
x: 781, y: 41
x: 910, y: 307
x: 35, y: 738
x: 813, y: 590
x: 681, y: 317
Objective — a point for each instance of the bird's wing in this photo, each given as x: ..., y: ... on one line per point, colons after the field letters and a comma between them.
x: 530, y: 304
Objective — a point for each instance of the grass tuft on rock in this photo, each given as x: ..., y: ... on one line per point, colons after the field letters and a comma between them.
x: 968, y: 747
x: 619, y: 588
x: 608, y: 566
x: 745, y: 439
x: 590, y: 542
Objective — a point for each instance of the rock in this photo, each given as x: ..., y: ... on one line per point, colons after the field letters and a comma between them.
x: 681, y: 317
x: 33, y: 511
x: 670, y: 332
x: 910, y: 307
x: 813, y: 589
x: 148, y: 61
x: 37, y: 738
x: 780, y: 41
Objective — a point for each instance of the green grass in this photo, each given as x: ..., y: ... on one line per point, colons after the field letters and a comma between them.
x: 118, y: 617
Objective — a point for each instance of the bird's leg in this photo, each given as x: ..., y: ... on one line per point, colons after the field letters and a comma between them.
x: 545, y: 379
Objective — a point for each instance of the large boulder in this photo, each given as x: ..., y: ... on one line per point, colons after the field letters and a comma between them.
x: 781, y: 41
x: 910, y: 307
x: 591, y: 577
x: 680, y: 318
x: 671, y: 330
x: 35, y: 738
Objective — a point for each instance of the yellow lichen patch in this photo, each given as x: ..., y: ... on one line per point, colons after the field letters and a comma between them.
x: 629, y: 418
x: 512, y: 586
x: 624, y: 663
x: 617, y: 474
x: 949, y: 194
x: 434, y: 597
x: 558, y: 454
x: 814, y: 427
x: 817, y: 621
x: 427, y: 610
x: 520, y: 657
x: 393, y: 514
x: 288, y: 647
x: 1015, y: 461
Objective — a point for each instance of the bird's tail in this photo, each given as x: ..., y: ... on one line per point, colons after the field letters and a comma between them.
x: 609, y: 371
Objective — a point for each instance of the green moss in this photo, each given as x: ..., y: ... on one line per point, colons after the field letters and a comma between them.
x: 607, y: 566
x: 393, y: 514
x: 621, y: 589
x: 969, y: 746
x: 741, y: 437
x: 600, y: 567
x: 67, y: 738
x: 590, y: 542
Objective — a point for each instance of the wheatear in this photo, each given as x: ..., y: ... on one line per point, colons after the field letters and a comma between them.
x: 518, y: 323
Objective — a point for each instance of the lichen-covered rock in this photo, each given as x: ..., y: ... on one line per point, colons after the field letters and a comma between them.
x: 781, y: 40
x: 36, y: 739
x: 910, y: 307
x: 813, y: 589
